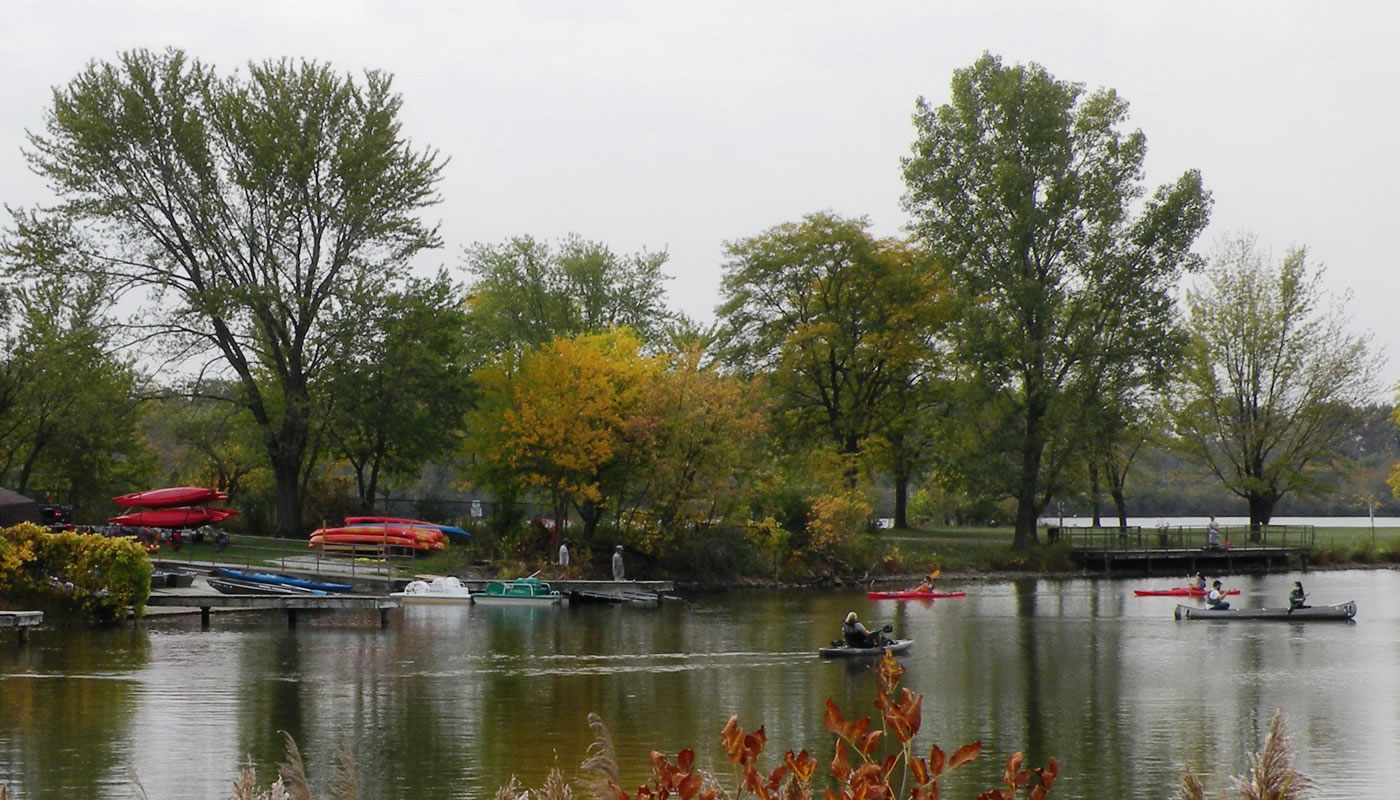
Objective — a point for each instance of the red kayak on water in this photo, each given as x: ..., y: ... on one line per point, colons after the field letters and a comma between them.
x: 171, y: 496
x: 185, y: 517
x: 1179, y: 591
x: 912, y: 594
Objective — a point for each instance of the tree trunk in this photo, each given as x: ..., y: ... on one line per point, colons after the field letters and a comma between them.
x: 1121, y: 503
x: 901, y: 501
x: 287, y: 475
x: 1094, y: 495
x: 1027, y: 507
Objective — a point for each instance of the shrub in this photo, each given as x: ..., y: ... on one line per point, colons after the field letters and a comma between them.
x: 74, y: 574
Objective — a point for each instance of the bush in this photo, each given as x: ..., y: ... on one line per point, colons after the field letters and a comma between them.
x: 72, y: 574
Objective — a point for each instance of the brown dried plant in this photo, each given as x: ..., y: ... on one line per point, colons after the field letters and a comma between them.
x: 862, y: 769
x: 1272, y: 775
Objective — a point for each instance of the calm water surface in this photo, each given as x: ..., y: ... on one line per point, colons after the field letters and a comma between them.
x: 450, y: 702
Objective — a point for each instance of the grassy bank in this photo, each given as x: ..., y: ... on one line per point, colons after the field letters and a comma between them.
x: 903, y: 552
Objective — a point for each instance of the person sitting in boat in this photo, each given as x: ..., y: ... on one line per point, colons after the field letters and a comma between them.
x: 858, y: 636
x: 1216, y: 598
x: 1200, y: 583
x: 926, y: 583
x: 1297, y: 597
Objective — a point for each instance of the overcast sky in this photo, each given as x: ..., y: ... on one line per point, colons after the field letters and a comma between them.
x: 655, y: 125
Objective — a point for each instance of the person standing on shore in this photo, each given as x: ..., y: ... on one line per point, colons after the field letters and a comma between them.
x: 617, y: 564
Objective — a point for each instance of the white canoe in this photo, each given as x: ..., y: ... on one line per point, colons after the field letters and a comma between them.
x: 1341, y: 611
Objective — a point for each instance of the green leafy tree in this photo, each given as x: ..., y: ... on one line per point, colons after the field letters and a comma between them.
x: 400, y: 398
x: 260, y: 213
x: 1025, y: 186
x: 1273, y: 379
x: 840, y: 323
x: 526, y: 292
x: 69, y: 423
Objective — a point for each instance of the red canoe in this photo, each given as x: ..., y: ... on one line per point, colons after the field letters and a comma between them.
x: 185, y: 517
x: 172, y: 496
x: 1179, y: 591
x: 912, y: 594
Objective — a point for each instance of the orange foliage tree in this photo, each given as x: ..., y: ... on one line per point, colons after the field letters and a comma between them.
x: 557, y: 419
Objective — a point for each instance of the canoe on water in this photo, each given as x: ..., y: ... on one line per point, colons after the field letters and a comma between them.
x: 1178, y: 591
x: 843, y: 651
x: 1341, y: 612
x: 912, y: 594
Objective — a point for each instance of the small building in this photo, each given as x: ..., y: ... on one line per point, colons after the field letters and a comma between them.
x: 16, y: 508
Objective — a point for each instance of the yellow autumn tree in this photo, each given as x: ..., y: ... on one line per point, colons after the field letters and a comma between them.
x: 557, y: 420
x: 699, y: 437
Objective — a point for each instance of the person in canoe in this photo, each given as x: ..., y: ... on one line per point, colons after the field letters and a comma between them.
x: 1216, y: 598
x: 926, y: 583
x: 1199, y: 584
x: 1297, y: 597
x: 857, y: 635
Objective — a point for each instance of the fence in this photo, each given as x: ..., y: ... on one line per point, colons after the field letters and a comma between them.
x: 1181, y: 537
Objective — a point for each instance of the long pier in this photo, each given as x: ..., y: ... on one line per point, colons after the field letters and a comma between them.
x: 1181, y: 550
x: 647, y: 592
x: 291, y: 604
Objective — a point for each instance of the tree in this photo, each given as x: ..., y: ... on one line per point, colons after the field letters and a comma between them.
x: 698, y: 442
x: 69, y: 409
x: 558, y: 420
x: 399, y: 400
x: 1025, y: 186
x: 527, y: 293
x: 841, y: 323
x: 260, y: 214
x: 1268, y: 399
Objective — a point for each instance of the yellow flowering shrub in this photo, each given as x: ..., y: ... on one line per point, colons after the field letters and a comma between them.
x: 75, y: 574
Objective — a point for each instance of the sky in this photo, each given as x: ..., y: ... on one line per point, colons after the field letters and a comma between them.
x: 681, y: 126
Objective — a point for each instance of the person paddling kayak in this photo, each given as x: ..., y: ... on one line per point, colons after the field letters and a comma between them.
x: 926, y: 583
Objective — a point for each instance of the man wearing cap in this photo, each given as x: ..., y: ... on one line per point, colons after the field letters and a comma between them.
x: 1216, y: 598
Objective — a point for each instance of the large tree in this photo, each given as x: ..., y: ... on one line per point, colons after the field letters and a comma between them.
x: 259, y: 213
x: 527, y: 292
x: 841, y: 324
x: 1274, y: 380
x: 398, y: 401
x: 1027, y: 187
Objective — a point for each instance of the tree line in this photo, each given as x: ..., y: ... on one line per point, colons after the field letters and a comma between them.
x: 221, y: 291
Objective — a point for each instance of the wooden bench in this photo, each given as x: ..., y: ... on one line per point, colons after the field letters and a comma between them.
x: 21, y: 621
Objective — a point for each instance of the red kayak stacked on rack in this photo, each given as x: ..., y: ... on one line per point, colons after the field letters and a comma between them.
x: 169, y: 497
x: 1179, y: 591
x: 392, y: 535
x: 172, y: 507
x: 912, y: 594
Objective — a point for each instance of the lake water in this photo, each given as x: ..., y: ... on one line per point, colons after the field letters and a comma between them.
x: 450, y: 702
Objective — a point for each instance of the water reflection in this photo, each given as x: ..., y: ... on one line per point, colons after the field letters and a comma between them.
x: 450, y: 702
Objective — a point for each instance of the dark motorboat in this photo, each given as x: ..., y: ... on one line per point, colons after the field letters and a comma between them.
x: 840, y: 649
x: 1340, y: 612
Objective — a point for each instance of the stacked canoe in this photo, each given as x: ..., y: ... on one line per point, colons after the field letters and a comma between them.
x: 172, y: 507
x: 368, y: 532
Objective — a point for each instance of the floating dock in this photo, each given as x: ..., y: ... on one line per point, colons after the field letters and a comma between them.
x: 291, y: 604
x: 21, y: 621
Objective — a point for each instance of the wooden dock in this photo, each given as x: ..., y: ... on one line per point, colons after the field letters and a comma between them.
x: 579, y: 591
x: 21, y: 621
x: 1185, y: 550
x: 291, y: 604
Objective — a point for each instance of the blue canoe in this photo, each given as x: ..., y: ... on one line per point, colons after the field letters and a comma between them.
x: 276, y: 579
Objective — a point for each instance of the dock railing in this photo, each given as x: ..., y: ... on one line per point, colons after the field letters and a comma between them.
x: 1185, y: 537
